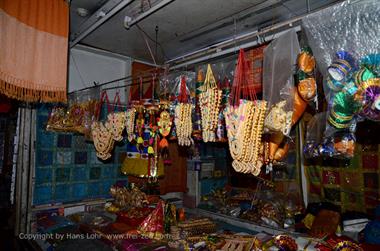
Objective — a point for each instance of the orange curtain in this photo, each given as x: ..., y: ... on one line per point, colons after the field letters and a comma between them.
x: 33, y: 49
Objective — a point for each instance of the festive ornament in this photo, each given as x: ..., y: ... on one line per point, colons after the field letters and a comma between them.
x: 342, y: 66
x: 130, y: 123
x: 103, y: 140
x: 183, y: 124
x: 115, y: 124
x: 307, y: 89
x: 334, y: 85
x: 209, y: 99
x: 306, y: 61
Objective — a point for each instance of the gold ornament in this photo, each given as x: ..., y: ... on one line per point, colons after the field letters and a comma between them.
x: 209, y: 100
x: 183, y: 123
x: 130, y: 123
x: 116, y: 124
x: 245, y: 125
x: 103, y: 140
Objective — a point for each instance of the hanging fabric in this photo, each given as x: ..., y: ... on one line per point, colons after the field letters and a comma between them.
x: 33, y: 56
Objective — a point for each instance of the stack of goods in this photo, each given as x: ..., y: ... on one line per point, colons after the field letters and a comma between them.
x: 245, y: 122
x: 196, y: 227
x: 133, y: 216
x: 125, y: 197
x: 209, y: 99
x: 77, y: 118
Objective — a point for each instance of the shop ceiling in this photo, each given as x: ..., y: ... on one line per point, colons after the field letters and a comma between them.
x: 183, y: 26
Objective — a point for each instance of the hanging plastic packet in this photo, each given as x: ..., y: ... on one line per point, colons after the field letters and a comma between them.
x: 278, y: 83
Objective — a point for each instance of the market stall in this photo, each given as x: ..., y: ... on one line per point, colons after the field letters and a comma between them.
x: 253, y: 140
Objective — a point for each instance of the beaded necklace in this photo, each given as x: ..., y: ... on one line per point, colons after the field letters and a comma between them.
x: 210, y: 100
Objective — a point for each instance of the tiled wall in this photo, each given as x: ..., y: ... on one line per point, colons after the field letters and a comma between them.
x: 67, y: 168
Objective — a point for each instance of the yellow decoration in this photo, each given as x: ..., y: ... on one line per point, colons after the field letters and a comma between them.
x: 150, y: 150
x: 139, y: 167
x: 140, y: 140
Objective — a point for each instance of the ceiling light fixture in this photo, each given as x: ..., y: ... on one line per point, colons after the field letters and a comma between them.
x: 82, y: 12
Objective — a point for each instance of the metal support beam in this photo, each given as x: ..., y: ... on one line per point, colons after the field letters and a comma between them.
x: 129, y: 23
x: 100, y: 21
x: 217, y: 49
x: 220, y: 52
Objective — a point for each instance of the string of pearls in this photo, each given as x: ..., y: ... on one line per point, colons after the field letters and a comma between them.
x: 245, y: 125
x: 183, y: 123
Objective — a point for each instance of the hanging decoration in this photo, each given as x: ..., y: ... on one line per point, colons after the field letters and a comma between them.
x: 371, y: 99
x: 182, y: 119
x: 103, y: 140
x: 164, y: 127
x: 116, y: 121
x: 130, y: 123
x: 209, y: 99
x: 197, y: 127
x: 245, y: 122
x: 152, y: 142
x: 102, y: 137
x: 221, y: 133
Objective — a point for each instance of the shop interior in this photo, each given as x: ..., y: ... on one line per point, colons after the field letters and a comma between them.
x: 190, y: 125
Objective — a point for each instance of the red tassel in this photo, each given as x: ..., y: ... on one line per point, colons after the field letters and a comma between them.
x: 242, y: 86
x: 182, y: 97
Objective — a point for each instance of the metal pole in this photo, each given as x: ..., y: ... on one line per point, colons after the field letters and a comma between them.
x: 230, y: 42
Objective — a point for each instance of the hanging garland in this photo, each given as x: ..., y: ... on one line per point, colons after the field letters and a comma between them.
x: 182, y: 120
x: 245, y: 122
x: 183, y: 124
x: 210, y: 100
x: 130, y: 123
